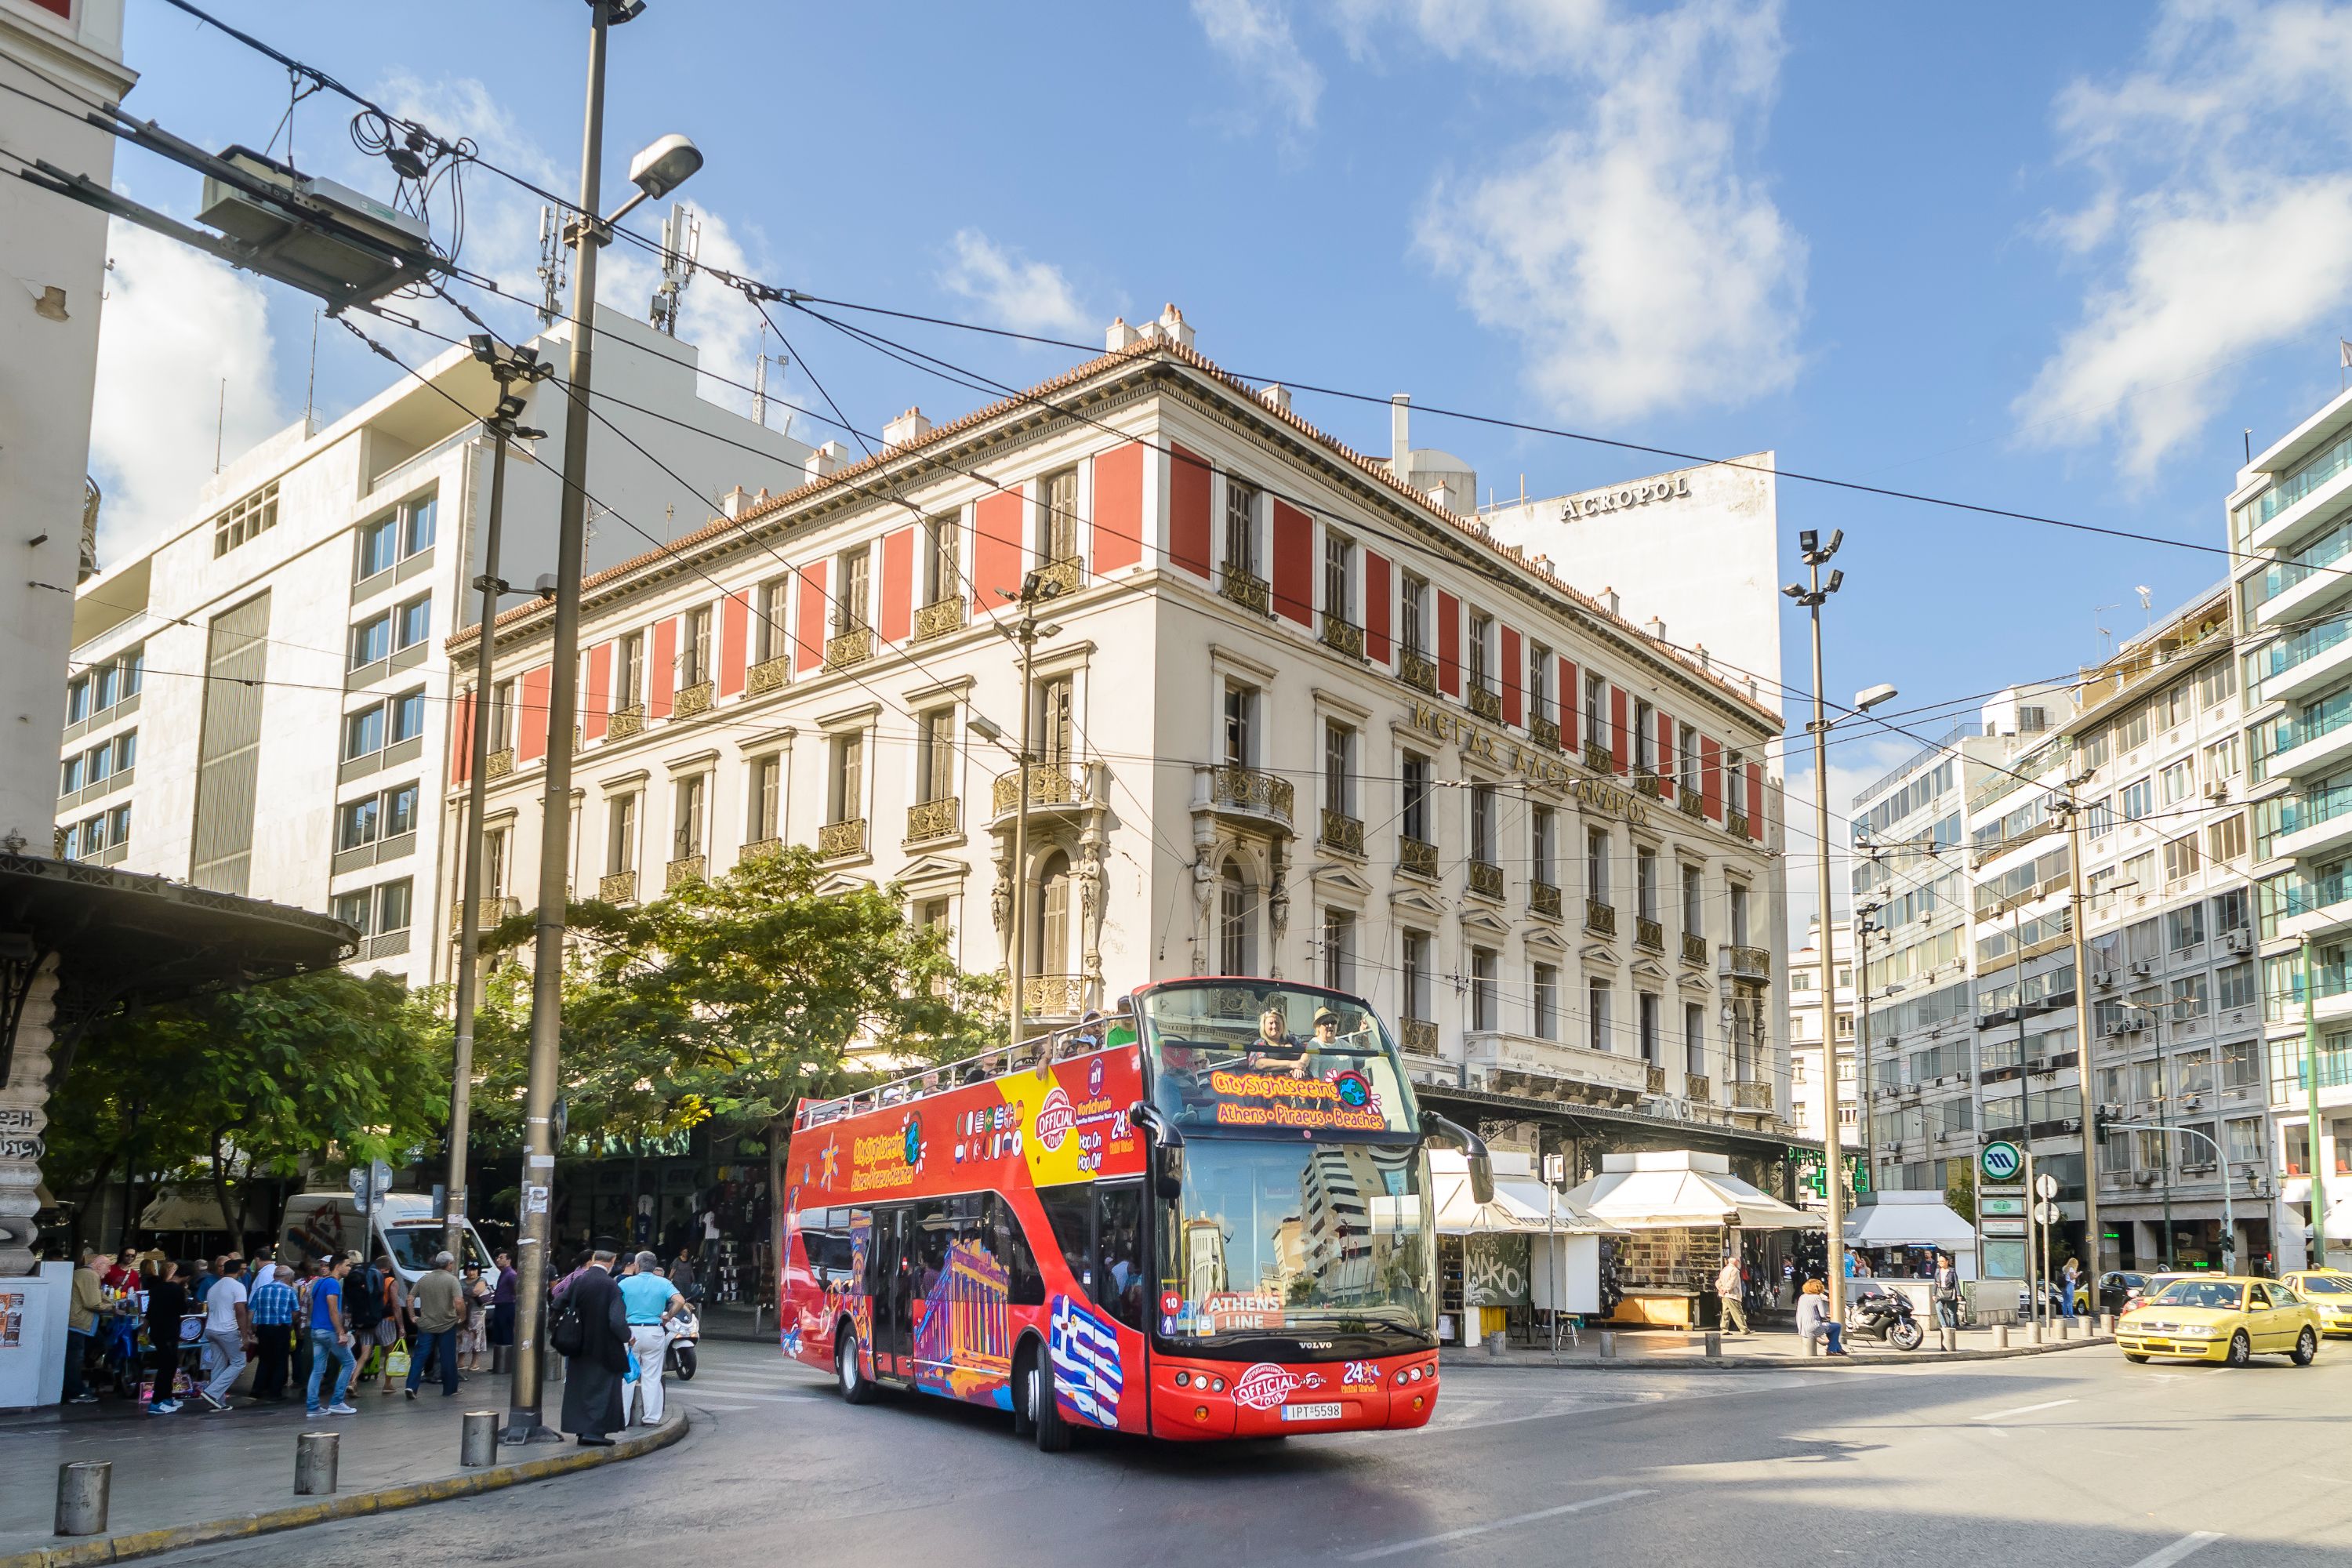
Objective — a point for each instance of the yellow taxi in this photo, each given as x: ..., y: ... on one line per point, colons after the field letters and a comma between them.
x: 2221, y: 1317
x: 2329, y: 1292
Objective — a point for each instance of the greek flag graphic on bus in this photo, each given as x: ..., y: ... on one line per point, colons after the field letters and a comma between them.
x: 1087, y: 1378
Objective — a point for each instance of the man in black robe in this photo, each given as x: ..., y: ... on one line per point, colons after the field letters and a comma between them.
x: 592, y: 1379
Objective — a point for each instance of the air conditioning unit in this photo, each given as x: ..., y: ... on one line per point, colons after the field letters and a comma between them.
x: 2104, y: 980
x: 2218, y: 790
x: 2237, y: 940
x: 2143, y: 966
x: 2109, y: 1031
x: 2143, y: 1178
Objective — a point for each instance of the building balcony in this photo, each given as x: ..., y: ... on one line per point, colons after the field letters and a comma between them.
x: 1736, y: 824
x: 1417, y: 859
x: 1485, y: 703
x: 1241, y: 586
x: 1645, y: 784
x: 1341, y: 637
x: 768, y: 675
x: 498, y: 764
x: 1694, y: 949
x: 1069, y: 574
x: 1598, y: 758
x: 934, y: 819
x: 1649, y: 934
x: 1600, y: 917
x: 1751, y: 1096
x: 1052, y: 996
x: 1252, y: 794
x: 1742, y: 963
x: 1418, y: 672
x: 937, y: 620
x: 1549, y: 1069
x: 2323, y: 828
x: 1341, y: 833
x: 761, y: 849
x: 841, y: 840
x: 692, y: 702
x: 2315, y: 752
x: 1689, y: 801
x: 617, y: 886
x: 2293, y: 526
x: 1653, y: 1079
x: 684, y: 869
x: 625, y: 722
x: 1417, y: 1035
x: 1052, y: 788
x: 849, y: 649
x: 1544, y: 732
x: 1543, y: 899
x: 488, y: 913
x: 383, y: 945
x: 1486, y: 879
x: 1697, y: 1088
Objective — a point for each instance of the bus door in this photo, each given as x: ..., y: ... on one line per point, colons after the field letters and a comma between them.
x: 888, y: 1270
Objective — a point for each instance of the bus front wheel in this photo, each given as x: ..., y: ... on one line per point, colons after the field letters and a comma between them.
x: 854, y: 1388
x: 1053, y: 1433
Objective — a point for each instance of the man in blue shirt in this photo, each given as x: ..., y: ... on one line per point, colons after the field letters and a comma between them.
x: 650, y: 1298
x: 330, y: 1340
x: 272, y: 1306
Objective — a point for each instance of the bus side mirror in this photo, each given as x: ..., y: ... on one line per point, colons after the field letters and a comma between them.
x: 1450, y: 1134
x: 1166, y: 1149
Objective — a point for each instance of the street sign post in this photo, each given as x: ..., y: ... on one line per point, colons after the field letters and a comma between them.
x: 2001, y: 1161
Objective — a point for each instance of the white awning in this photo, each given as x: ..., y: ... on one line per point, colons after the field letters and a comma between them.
x: 1518, y: 1209
x: 1683, y: 1190
x: 183, y: 1208
x: 1887, y: 1223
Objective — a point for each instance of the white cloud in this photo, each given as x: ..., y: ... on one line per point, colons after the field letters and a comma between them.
x: 1639, y: 266
x: 176, y: 324
x: 1256, y: 36
x: 1021, y: 295
x: 2218, y: 222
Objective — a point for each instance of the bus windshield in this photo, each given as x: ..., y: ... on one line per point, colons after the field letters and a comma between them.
x: 1259, y: 1055
x: 1288, y: 1242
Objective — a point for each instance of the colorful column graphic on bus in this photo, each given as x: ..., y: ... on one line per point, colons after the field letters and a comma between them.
x: 963, y: 1346
x: 1087, y: 1376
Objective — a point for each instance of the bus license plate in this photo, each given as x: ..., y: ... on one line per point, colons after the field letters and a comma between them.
x: 1311, y: 1412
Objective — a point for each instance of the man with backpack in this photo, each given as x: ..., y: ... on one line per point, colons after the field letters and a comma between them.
x: 364, y: 1314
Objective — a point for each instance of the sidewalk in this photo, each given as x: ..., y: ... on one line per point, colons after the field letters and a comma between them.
x: 1659, y: 1349
x: 186, y: 1478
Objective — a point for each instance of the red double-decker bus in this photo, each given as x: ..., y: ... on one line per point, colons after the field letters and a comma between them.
x: 1206, y: 1216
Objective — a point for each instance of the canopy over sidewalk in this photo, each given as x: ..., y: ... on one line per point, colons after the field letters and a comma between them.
x: 1907, y: 1219
x: 1682, y: 1188
x: 1519, y: 1205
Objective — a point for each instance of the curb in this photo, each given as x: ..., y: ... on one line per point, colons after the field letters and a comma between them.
x: 1754, y: 1362
x: 354, y: 1505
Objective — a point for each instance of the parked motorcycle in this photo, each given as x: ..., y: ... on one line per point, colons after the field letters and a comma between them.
x: 1882, y: 1314
x: 677, y: 1362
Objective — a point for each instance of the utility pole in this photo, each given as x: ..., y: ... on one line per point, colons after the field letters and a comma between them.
x: 2078, y: 916
x: 2318, y: 1258
x: 2034, y: 1255
x: 1865, y: 928
x: 1813, y: 595
x: 1035, y: 589
x: 519, y: 364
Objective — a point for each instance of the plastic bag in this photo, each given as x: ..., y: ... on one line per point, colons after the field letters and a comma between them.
x: 395, y: 1363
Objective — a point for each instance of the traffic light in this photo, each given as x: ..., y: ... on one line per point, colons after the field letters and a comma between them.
x: 2101, y: 1114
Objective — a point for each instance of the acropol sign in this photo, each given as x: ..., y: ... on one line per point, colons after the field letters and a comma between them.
x: 1673, y: 487
x: 1537, y: 766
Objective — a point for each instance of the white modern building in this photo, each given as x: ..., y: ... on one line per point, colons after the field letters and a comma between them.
x: 260, y: 703
x: 1296, y: 716
x: 1822, y: 1009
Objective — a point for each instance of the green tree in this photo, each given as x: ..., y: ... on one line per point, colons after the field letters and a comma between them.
x: 1960, y: 1188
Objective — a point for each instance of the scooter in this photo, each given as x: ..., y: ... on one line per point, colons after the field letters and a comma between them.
x: 1882, y: 1314
x: 677, y: 1362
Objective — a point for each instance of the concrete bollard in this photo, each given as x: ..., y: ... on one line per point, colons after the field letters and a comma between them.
x: 1713, y: 1345
x: 479, y: 1444
x: 2035, y: 1336
x: 315, y: 1458
x: 2001, y: 1336
x: 1608, y: 1345
x: 84, y: 1487
x: 2107, y: 1324
x: 2066, y: 1329
x: 550, y: 1367
x: 1812, y: 1347
x: 501, y: 1360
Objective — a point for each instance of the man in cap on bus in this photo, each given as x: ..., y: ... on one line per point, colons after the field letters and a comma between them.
x: 1327, y: 1029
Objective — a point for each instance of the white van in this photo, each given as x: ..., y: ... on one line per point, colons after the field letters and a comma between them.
x: 322, y: 1224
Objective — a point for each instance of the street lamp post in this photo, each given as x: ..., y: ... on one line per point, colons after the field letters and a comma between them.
x: 1865, y: 928
x: 2318, y: 1258
x: 655, y: 172
x: 2078, y: 917
x: 1035, y: 589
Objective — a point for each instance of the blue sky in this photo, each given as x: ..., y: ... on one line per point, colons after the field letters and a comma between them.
x: 2051, y: 261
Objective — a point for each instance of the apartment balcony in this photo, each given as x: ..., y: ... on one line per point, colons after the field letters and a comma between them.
x: 1751, y: 1096
x: 1697, y: 1088
x: 849, y: 649
x: 939, y: 619
x: 1052, y: 996
x: 1341, y: 833
x: 1341, y: 637
x: 2322, y: 656
x: 1246, y: 588
x: 1250, y: 795
x: 1694, y: 948
x: 1418, y: 1035
x: 1736, y: 824
x: 1486, y: 879
x: 617, y: 886
x: 761, y: 849
x: 1650, y: 935
x: 1416, y: 858
x: 1544, y: 733
x: 2316, y: 752
x: 1543, y: 899
x: 934, y: 819
x: 1645, y: 783
x: 1485, y: 703
x: 383, y: 945
x: 1653, y: 1079
x: 2322, y: 583
x: 2295, y: 525
x: 768, y: 675
x: 1417, y: 671
x: 841, y: 840
x: 2322, y: 826
x: 684, y: 869
x: 1598, y: 758
x: 625, y: 722
x: 498, y: 764
x: 1055, y: 789
x: 1600, y: 918
x: 488, y: 913
x: 1688, y: 801
x: 1552, y: 1069
x: 692, y: 702
x: 1742, y: 963
x: 1069, y: 574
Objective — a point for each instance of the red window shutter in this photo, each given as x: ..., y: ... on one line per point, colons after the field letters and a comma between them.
x: 898, y: 585
x: 1294, y: 565
x: 598, y: 701
x: 1710, y: 763
x: 661, y: 675
x: 1187, y: 511
x: 1620, y: 736
x: 996, y: 550
x: 531, y: 715
x: 1572, y: 705
x: 1665, y: 757
x: 1449, y: 644
x: 461, y: 741
x: 1514, y: 682
x: 1756, y: 802
x: 1118, y: 508
x: 814, y: 607
x: 734, y: 633
x: 1376, y: 607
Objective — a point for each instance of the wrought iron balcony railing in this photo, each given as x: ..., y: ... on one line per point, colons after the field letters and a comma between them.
x: 768, y: 675
x: 932, y: 820
x: 1417, y: 859
x: 839, y: 840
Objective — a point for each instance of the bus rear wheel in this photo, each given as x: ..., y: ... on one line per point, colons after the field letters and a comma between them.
x: 854, y: 1388
x: 1046, y: 1423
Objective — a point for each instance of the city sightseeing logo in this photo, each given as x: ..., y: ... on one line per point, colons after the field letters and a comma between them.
x: 1266, y: 1386
x: 1055, y: 1119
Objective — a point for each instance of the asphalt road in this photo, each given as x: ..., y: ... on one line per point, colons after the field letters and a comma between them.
x: 2074, y: 1459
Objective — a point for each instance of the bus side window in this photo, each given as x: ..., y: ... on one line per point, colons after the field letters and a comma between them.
x: 1071, y: 1212
x: 934, y: 1225
x: 1121, y: 1229
x: 1001, y: 1233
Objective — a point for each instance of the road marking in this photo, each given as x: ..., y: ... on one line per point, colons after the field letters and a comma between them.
x: 2195, y: 1541
x: 1469, y: 1529
x: 2024, y: 1409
